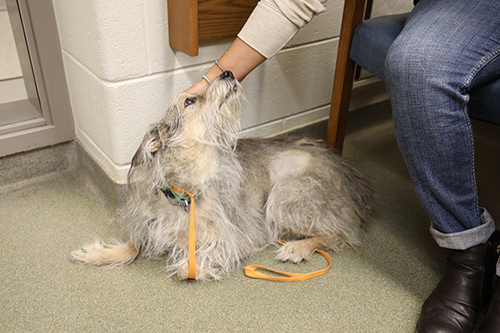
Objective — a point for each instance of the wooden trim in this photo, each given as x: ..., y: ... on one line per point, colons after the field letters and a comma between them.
x: 183, y: 25
x: 344, y: 74
x: 191, y: 22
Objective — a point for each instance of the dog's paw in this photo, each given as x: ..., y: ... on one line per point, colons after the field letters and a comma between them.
x: 87, y: 254
x: 294, y: 251
x: 99, y: 254
x: 202, y: 274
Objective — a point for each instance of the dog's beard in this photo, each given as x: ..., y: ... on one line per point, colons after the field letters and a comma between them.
x: 224, y: 126
x: 223, y: 101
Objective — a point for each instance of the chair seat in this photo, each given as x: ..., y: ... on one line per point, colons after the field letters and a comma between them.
x: 370, y: 44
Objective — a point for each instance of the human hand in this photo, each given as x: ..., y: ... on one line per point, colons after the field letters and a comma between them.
x: 240, y: 59
x: 197, y: 88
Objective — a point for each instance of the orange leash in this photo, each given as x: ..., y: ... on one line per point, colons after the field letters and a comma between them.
x: 192, y: 240
x: 251, y: 271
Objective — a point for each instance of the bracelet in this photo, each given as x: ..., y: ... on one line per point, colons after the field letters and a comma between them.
x: 206, y: 79
x: 218, y: 65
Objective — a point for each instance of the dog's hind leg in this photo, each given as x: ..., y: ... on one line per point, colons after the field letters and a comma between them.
x: 100, y: 254
x: 315, y: 209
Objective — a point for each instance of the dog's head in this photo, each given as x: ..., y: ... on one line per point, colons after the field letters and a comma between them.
x: 210, y: 119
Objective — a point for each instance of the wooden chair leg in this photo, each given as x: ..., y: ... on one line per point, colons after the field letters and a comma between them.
x: 344, y: 75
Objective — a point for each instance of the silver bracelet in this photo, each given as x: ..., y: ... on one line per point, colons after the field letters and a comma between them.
x: 218, y: 65
x: 206, y: 79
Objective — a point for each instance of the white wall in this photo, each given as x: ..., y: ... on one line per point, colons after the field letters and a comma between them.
x: 122, y: 75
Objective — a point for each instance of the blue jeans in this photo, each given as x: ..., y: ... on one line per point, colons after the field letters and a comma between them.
x: 446, y: 49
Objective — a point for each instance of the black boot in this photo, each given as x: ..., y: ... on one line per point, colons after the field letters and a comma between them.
x: 466, y: 285
x: 491, y: 322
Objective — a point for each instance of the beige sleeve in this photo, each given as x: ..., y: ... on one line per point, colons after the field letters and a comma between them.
x: 274, y: 22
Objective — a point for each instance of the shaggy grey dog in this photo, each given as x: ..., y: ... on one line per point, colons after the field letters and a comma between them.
x: 249, y: 192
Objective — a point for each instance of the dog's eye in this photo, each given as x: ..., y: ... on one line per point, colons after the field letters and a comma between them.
x: 189, y: 101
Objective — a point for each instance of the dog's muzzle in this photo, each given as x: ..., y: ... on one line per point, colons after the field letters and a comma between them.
x: 227, y: 74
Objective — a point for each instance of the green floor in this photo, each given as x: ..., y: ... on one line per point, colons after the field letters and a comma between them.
x: 379, y: 287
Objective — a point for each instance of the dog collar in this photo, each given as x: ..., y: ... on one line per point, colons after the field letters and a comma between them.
x: 177, y: 196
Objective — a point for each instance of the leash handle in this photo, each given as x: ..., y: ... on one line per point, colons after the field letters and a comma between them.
x: 251, y: 271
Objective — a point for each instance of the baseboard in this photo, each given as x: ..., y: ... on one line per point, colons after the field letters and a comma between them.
x: 36, y: 166
x: 118, y: 173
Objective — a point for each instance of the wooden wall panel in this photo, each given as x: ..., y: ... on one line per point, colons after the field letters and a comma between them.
x: 199, y: 21
x: 222, y: 19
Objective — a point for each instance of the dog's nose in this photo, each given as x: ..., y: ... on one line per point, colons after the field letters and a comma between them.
x: 227, y: 74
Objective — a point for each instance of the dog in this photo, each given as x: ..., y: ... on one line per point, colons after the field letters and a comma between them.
x: 249, y: 192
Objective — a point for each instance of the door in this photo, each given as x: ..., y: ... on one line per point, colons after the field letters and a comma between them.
x: 18, y: 95
x: 34, y: 101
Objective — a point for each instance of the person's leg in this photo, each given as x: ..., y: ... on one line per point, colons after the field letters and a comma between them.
x: 430, y: 69
x: 447, y: 48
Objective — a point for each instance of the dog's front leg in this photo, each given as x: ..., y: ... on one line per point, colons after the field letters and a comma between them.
x: 105, y: 254
x: 202, y: 273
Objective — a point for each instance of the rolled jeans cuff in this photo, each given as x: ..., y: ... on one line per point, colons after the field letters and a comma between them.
x: 468, y: 238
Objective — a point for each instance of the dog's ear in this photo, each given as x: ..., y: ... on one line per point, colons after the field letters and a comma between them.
x: 151, y: 143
